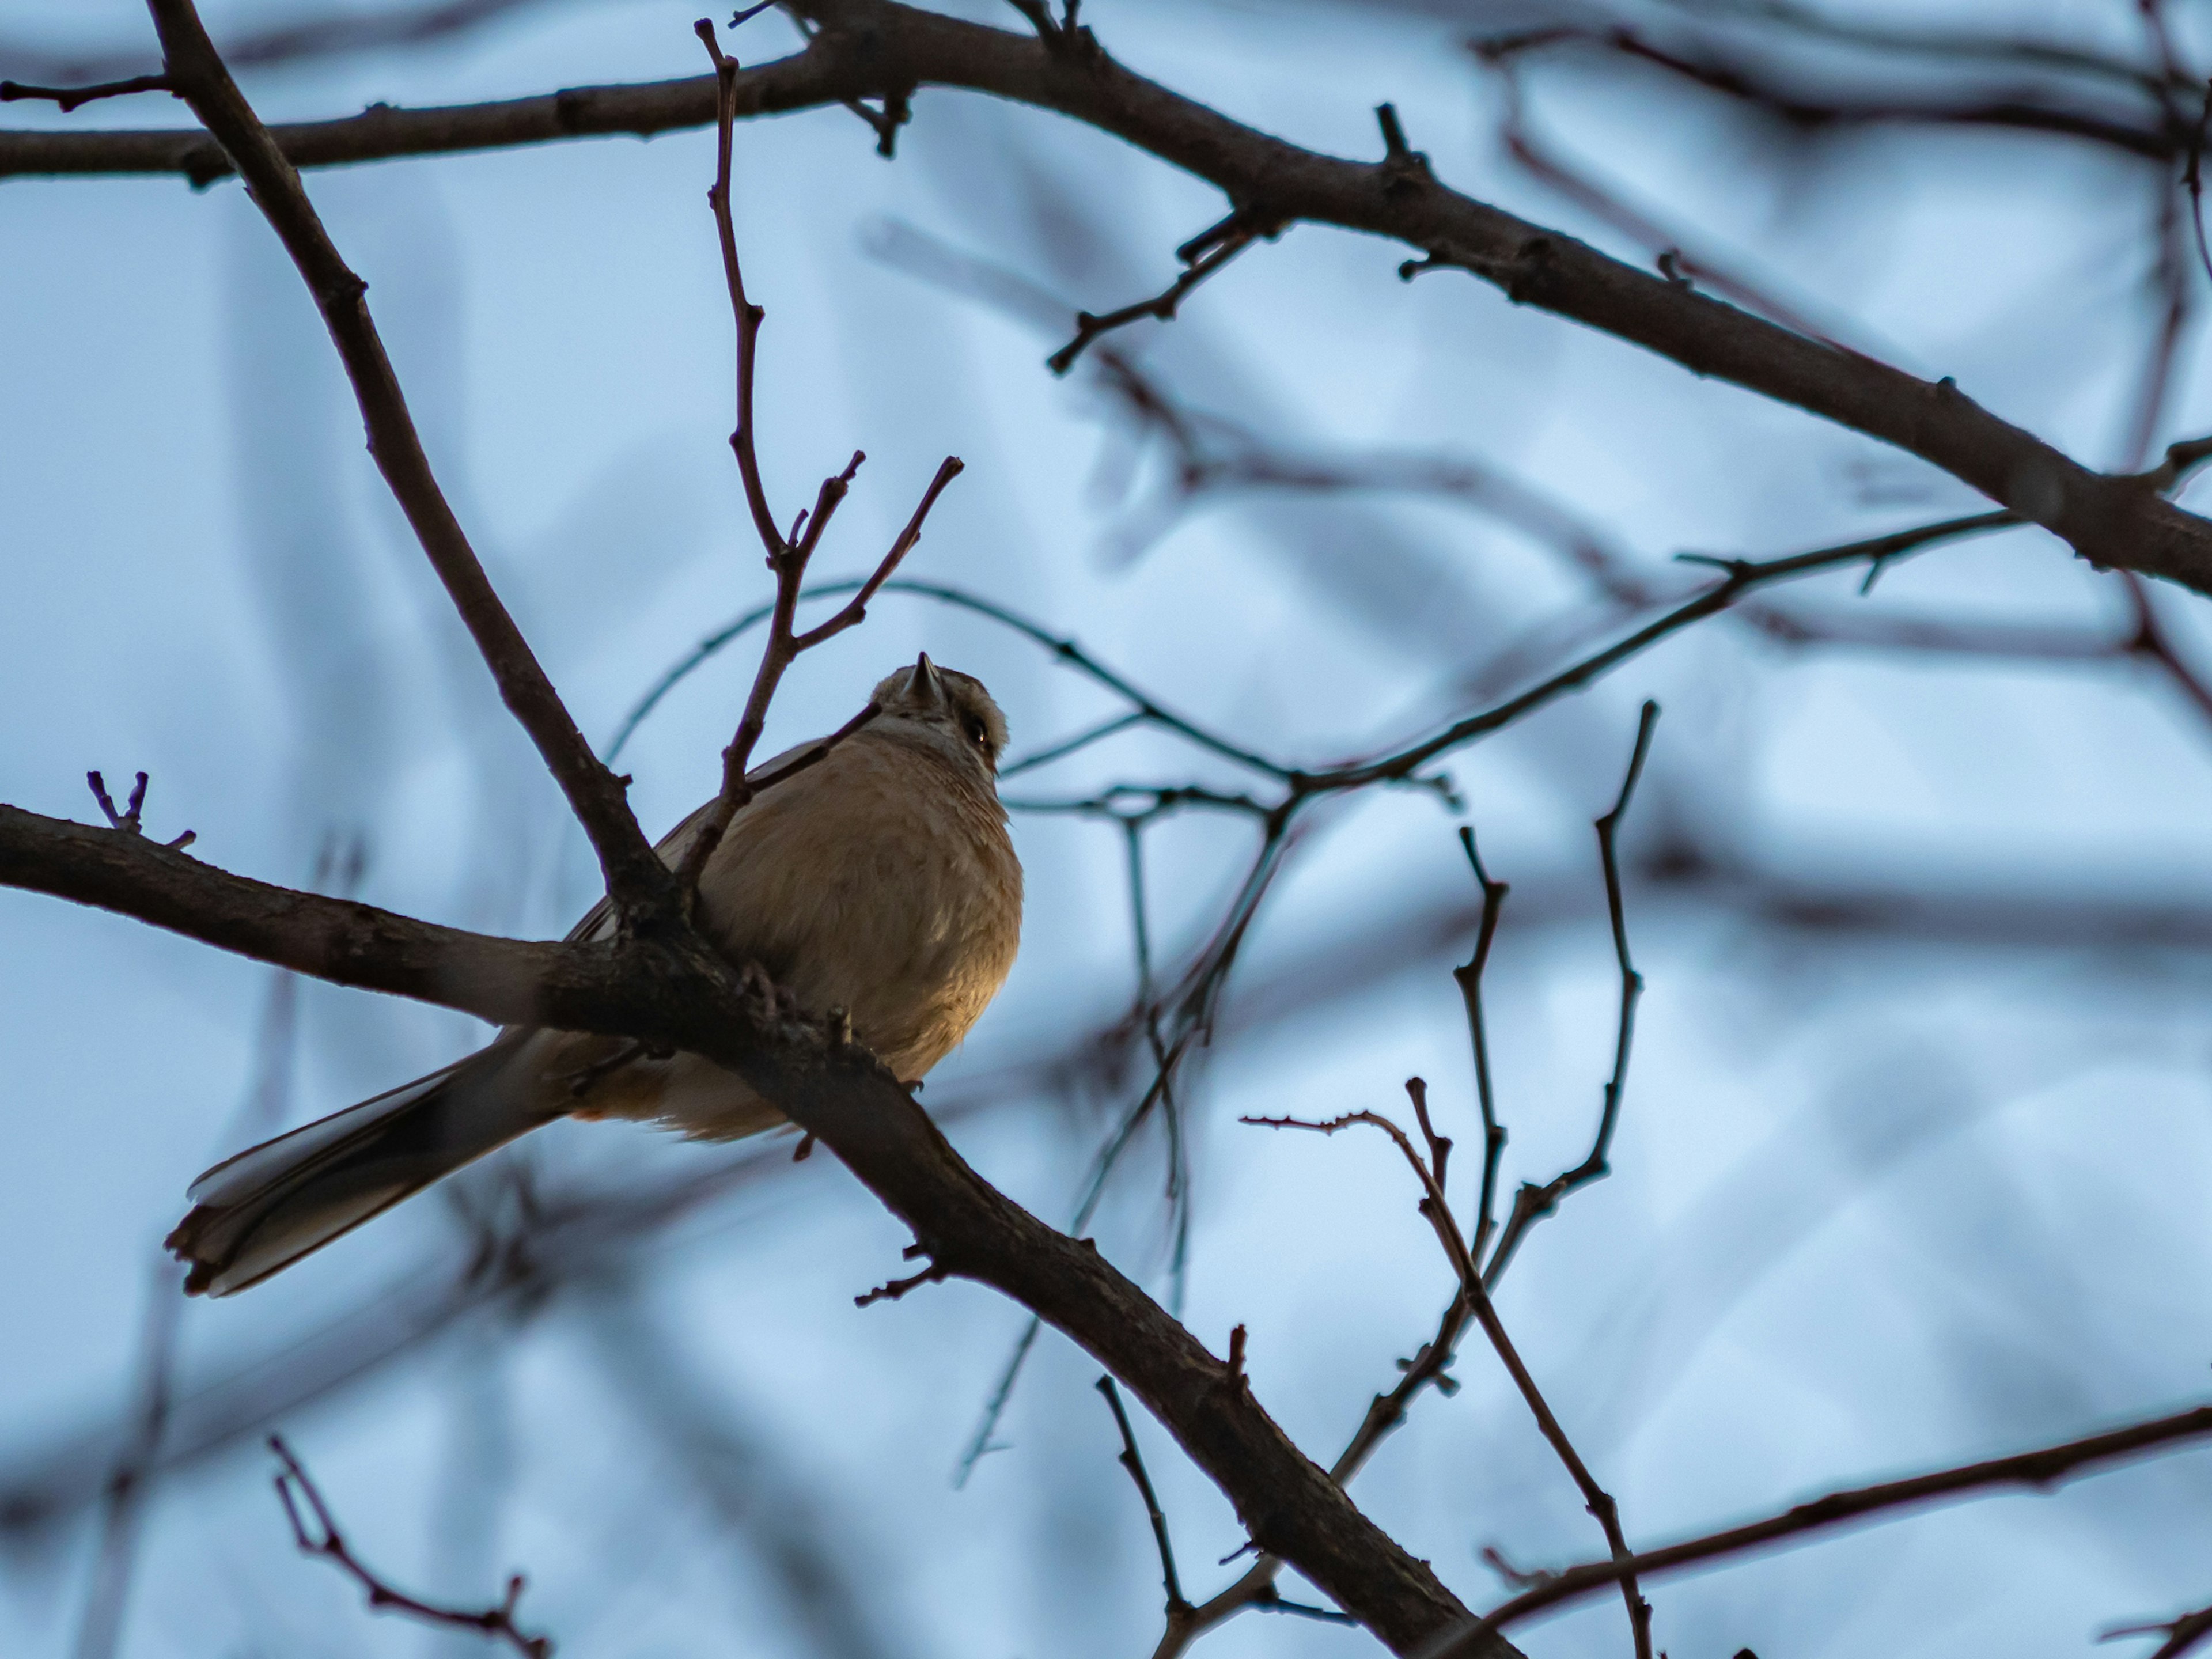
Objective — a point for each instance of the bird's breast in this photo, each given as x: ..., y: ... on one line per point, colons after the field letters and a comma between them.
x: 880, y: 880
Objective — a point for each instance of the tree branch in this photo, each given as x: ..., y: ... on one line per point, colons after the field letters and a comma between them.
x: 877, y: 48
x: 674, y: 991
x: 636, y: 879
x: 294, y: 1488
x: 2045, y: 1467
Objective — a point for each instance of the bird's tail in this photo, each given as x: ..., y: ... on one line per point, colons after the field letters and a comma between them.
x: 259, y: 1213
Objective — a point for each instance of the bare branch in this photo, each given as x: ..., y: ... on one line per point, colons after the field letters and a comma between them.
x: 872, y: 47
x: 1468, y: 978
x: 1203, y: 256
x: 1435, y: 1209
x: 749, y: 316
x: 2041, y: 1469
x: 787, y: 556
x: 2183, y: 1633
x: 70, y: 97
x: 1532, y: 1203
x: 676, y: 992
x: 1178, y: 1605
x: 295, y: 1487
x: 636, y: 880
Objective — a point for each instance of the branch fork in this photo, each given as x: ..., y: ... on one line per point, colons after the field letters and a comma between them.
x: 297, y: 1491
x: 128, y: 820
x: 787, y: 556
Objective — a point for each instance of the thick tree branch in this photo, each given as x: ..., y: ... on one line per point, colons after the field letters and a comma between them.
x: 876, y: 48
x: 636, y: 879
x: 674, y: 991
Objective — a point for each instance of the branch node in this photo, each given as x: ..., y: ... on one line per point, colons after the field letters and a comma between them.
x: 1403, y: 168
x: 1178, y: 1605
x: 892, y: 1290
x: 296, y: 1489
x: 67, y: 99
x: 1063, y: 37
x: 130, y: 820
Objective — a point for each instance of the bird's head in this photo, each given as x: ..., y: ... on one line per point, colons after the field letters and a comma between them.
x: 946, y: 709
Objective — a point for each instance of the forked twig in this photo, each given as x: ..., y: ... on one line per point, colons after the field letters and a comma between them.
x: 295, y: 1487
x: 1532, y: 1203
x: 788, y: 555
x: 1203, y: 256
x: 1434, y: 1208
x: 130, y: 819
x: 69, y: 98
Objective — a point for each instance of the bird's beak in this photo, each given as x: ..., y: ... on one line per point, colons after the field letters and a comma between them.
x: 924, y: 684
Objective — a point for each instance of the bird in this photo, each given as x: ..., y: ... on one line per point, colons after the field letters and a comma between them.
x: 880, y: 880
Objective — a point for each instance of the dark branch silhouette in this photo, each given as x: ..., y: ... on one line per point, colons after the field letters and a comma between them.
x: 294, y: 1488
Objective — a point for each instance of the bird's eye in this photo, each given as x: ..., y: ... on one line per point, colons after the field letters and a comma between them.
x: 977, y: 731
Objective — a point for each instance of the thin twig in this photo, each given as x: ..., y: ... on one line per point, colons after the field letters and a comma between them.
x: 1468, y: 978
x: 1204, y: 257
x: 2041, y: 1469
x: 2182, y: 1632
x: 294, y: 1487
x: 70, y: 97
x: 1438, y: 1212
x: 1532, y: 1202
x: 1065, y: 650
x: 131, y: 819
x: 788, y: 556
x: 1132, y: 1460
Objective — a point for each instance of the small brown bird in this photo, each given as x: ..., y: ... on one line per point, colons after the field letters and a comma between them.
x: 880, y: 880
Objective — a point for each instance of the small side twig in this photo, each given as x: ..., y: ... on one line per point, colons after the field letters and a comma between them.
x: 1402, y: 165
x: 933, y: 1274
x: 294, y: 1488
x: 1532, y: 1203
x: 1203, y: 256
x: 130, y: 819
x: 2182, y: 1633
x: 1133, y: 1460
x: 1061, y: 36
